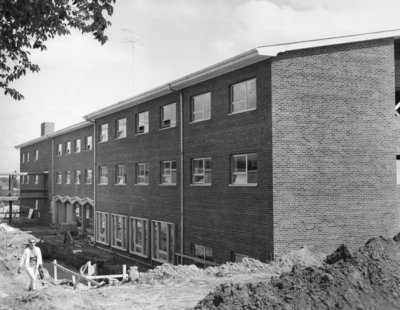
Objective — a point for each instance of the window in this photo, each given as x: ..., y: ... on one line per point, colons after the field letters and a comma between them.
x: 22, y: 179
x: 58, y: 177
x: 163, y: 241
x: 202, y: 252
x: 88, y: 176
x: 36, y: 154
x: 77, y: 146
x: 88, y: 143
x: 139, y: 236
x: 68, y: 147
x: 142, y: 173
x: 59, y: 149
x: 77, y: 177
x: 23, y: 157
x: 103, y: 175
x: 27, y: 179
x: 168, y: 115
x: 201, y: 170
x: 36, y: 179
x: 120, y: 175
x: 67, y: 177
x: 243, y: 96
x: 102, y: 227
x: 120, y: 128
x: 168, y: 172
x: 201, y: 107
x: 142, y: 122
x: 119, y: 230
x: 27, y: 157
x: 103, y: 133
x: 244, y: 169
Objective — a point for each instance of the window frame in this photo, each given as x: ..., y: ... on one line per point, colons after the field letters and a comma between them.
x: 124, y: 234
x: 88, y: 143
x: 36, y: 180
x: 58, y: 177
x: 67, y: 177
x: 102, y: 237
x: 142, y: 123
x: 156, y: 251
x: 244, y: 101
x: 23, y: 157
x: 118, y: 177
x: 27, y: 157
x: 103, y: 178
x: 246, y: 173
x: 192, y: 111
x: 67, y: 148
x: 77, y: 145
x: 168, y: 122
x: 77, y: 176
x: 103, y: 133
x: 172, y: 171
x: 36, y: 155
x: 87, y: 174
x: 59, y: 149
x: 138, y: 170
x: 204, y: 258
x: 119, y: 126
x: 204, y: 174
x: 145, y: 246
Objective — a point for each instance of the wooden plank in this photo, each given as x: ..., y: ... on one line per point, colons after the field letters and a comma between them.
x: 77, y: 274
x: 106, y: 276
x: 8, y: 198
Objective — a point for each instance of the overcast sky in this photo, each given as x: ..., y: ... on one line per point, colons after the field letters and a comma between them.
x: 171, y: 39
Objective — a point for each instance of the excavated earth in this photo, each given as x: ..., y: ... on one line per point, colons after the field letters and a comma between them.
x: 369, y: 278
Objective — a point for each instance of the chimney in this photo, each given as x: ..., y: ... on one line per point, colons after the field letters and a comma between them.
x: 47, y: 128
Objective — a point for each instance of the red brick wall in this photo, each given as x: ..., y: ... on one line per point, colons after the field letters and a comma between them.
x: 334, y: 146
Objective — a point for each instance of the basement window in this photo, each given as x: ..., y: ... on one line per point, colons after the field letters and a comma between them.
x: 163, y: 242
x: 119, y: 230
x: 102, y: 227
x: 139, y: 236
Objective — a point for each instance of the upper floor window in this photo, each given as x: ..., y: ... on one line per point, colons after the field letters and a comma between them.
x: 103, y: 175
x: 201, y: 170
x: 201, y: 107
x: 23, y: 157
x: 36, y: 179
x: 168, y: 172
x: 77, y: 177
x: 22, y: 179
x: 103, y: 133
x: 88, y: 143
x: 142, y: 173
x: 59, y: 177
x: 88, y: 176
x: 142, y: 122
x: 120, y: 175
x: 36, y: 154
x: 67, y: 177
x: 77, y: 146
x: 244, y: 169
x: 168, y: 115
x: 243, y: 96
x: 27, y: 157
x: 27, y: 179
x: 120, y: 128
x: 59, y: 149
x: 68, y: 147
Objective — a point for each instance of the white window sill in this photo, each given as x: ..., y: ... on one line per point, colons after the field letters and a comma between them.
x: 142, y: 184
x: 120, y: 184
x: 167, y: 184
x: 201, y: 184
x: 243, y: 111
x: 200, y: 120
x: 165, y: 128
x: 244, y: 185
x: 102, y: 184
x: 120, y: 138
x: 141, y: 133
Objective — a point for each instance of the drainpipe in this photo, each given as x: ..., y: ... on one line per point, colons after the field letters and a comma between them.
x: 53, y: 204
x: 94, y: 179
x: 181, y: 160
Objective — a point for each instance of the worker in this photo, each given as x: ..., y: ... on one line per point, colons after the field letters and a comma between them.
x: 31, y: 260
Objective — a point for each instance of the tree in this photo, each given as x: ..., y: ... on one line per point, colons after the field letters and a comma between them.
x: 27, y: 24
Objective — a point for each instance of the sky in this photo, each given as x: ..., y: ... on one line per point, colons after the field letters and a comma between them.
x: 152, y: 42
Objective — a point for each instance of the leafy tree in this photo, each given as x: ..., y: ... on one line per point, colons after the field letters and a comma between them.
x: 27, y: 24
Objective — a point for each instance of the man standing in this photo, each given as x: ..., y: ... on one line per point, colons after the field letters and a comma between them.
x: 31, y: 260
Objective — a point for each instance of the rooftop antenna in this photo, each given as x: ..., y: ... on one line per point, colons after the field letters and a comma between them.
x: 133, y: 39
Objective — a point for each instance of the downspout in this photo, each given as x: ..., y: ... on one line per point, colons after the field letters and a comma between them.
x: 94, y: 179
x: 181, y: 160
x: 53, y: 204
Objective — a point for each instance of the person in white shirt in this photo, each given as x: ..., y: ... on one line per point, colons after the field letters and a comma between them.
x: 31, y: 260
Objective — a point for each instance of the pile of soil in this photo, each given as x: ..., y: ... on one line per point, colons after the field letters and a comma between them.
x: 369, y: 278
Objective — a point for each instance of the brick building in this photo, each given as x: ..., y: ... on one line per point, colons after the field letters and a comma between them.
x: 280, y: 147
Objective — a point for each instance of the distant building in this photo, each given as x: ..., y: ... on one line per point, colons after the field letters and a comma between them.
x: 280, y: 147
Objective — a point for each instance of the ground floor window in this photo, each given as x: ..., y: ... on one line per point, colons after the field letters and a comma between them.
x: 139, y: 236
x: 102, y: 225
x: 163, y: 241
x: 119, y: 231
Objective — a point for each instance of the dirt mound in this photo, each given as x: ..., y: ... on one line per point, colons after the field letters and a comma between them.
x: 366, y: 279
x: 168, y: 271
